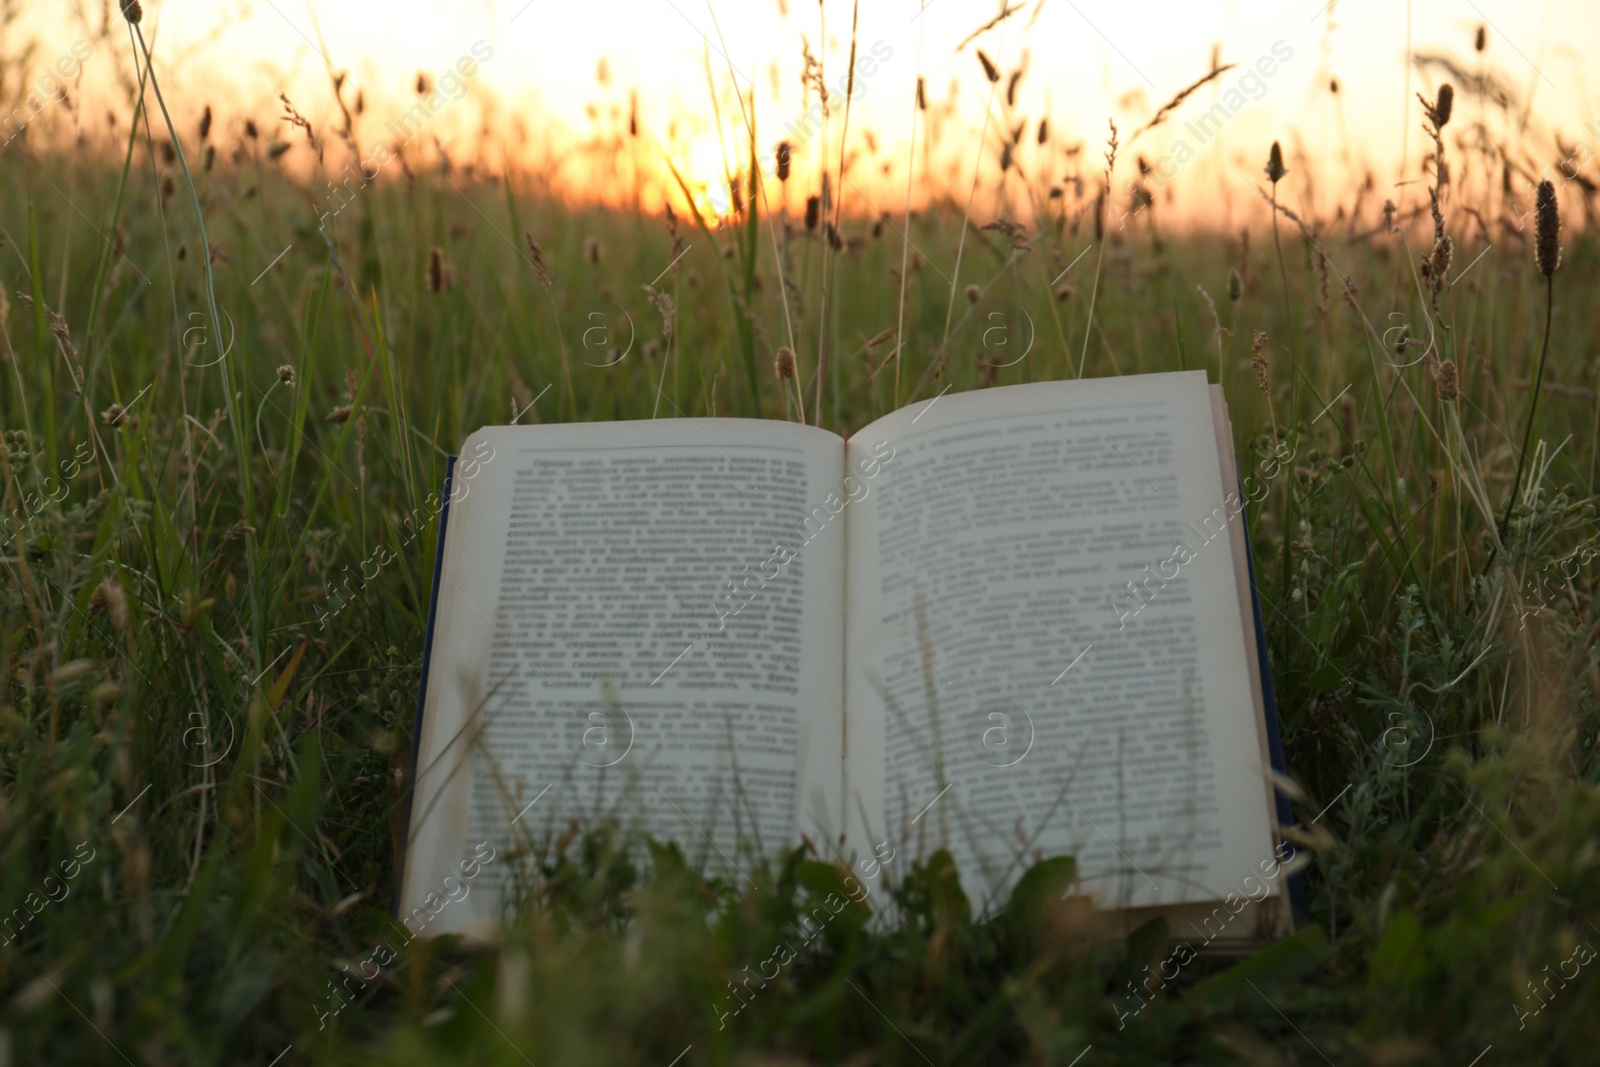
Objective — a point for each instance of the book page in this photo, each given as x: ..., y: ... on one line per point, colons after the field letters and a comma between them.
x: 637, y: 621
x: 1045, y: 653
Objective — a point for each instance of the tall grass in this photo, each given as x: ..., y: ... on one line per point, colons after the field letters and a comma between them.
x: 212, y: 693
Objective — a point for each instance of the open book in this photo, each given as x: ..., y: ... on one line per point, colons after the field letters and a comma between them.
x: 1012, y: 623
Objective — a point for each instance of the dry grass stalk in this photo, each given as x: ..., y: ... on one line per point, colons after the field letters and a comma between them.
x: 1172, y: 105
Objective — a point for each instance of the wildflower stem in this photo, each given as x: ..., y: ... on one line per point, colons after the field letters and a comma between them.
x: 1533, y: 406
x: 1288, y: 315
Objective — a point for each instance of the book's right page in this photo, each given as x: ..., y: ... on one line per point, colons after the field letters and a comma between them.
x: 1045, y: 653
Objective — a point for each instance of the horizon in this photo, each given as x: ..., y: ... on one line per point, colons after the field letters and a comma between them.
x: 596, y: 121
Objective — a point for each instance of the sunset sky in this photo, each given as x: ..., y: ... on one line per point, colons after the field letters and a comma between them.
x: 1086, y: 62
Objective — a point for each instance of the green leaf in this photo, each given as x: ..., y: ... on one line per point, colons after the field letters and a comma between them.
x: 1401, y: 959
x: 948, y: 900
x: 1293, y: 956
x: 1040, y: 887
x: 830, y: 902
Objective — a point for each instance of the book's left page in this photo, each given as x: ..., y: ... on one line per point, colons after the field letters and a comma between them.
x: 636, y: 621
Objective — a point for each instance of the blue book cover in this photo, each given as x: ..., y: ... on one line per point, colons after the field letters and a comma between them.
x: 422, y: 684
x: 1285, y: 811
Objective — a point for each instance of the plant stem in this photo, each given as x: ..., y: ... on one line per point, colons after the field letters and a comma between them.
x: 240, y: 440
x: 1288, y: 315
x: 1533, y: 406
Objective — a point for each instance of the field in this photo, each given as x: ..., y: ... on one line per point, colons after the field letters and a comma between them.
x: 219, y: 543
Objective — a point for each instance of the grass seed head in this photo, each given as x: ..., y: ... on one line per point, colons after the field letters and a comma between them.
x: 109, y: 593
x: 1448, y: 380
x: 1275, y: 168
x: 784, y: 152
x: 783, y: 364
x: 537, y: 258
x: 1258, y: 360
x: 1547, y: 245
x: 132, y: 11
x: 438, y: 271
x: 990, y: 71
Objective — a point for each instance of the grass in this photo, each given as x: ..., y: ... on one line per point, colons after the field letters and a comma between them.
x: 209, y: 681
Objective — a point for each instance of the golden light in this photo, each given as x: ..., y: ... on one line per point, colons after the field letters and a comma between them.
x: 604, y: 93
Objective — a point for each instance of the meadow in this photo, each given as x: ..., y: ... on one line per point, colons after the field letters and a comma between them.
x: 218, y: 460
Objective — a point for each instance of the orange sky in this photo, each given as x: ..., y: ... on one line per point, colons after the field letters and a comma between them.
x: 1085, y: 61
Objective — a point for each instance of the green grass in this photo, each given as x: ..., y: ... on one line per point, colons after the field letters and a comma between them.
x: 187, y: 695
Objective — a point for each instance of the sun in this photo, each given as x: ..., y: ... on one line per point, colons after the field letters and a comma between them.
x: 704, y: 170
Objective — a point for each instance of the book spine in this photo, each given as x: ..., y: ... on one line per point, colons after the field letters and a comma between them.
x: 1297, y: 882
x: 422, y: 683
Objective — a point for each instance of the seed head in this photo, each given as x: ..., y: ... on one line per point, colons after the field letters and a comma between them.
x: 114, y: 416
x: 1448, y: 380
x: 538, y: 258
x: 1442, y: 106
x: 286, y: 376
x: 1258, y: 360
x: 1437, y: 266
x: 1482, y: 40
x: 784, y: 151
x: 591, y: 250
x: 1235, y: 284
x: 813, y: 212
x: 441, y: 276
x: 1547, y: 245
x: 990, y: 71
x: 664, y: 307
x: 205, y: 123
x: 132, y: 11
x: 109, y: 598
x: 784, y: 363
x: 1044, y: 130
x: 973, y: 292
x: 1275, y: 168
